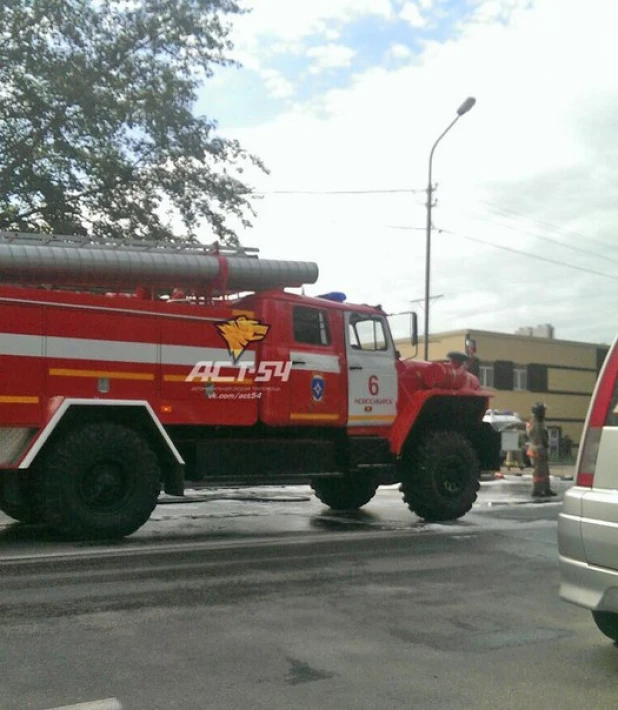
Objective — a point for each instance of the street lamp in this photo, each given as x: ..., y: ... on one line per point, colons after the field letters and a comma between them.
x: 464, y: 108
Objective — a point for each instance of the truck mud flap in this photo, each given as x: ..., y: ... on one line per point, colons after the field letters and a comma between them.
x: 487, y: 443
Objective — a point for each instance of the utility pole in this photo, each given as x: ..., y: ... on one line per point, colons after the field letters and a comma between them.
x: 431, y: 298
x: 464, y: 108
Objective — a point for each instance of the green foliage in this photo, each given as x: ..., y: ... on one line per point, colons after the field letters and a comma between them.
x: 97, y: 130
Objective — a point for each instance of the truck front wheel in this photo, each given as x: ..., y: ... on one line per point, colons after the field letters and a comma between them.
x: 349, y: 493
x: 441, y: 477
x: 99, y: 481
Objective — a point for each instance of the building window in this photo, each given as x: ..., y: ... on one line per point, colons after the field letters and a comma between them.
x: 520, y: 378
x: 537, y: 378
x: 486, y: 375
x: 311, y: 326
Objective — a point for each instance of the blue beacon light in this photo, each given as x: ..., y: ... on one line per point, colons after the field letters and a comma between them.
x: 336, y: 296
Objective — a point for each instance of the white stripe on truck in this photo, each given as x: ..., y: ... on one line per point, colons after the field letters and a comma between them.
x: 305, y: 360
x: 107, y: 350
x: 113, y: 350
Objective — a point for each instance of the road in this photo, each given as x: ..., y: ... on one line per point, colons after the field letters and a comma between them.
x: 271, y: 603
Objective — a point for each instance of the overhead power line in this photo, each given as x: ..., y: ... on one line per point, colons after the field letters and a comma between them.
x: 550, y: 240
x: 529, y: 254
x: 511, y: 249
x: 497, y: 208
x: 415, y: 191
x: 408, y: 229
x: 548, y: 225
x: 393, y: 191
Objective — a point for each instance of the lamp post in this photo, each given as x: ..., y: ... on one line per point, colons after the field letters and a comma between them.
x: 464, y: 108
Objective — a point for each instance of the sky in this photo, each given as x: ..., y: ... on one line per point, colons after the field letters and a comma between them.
x: 343, y: 100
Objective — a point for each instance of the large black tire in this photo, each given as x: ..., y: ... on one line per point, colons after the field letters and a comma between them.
x: 441, y: 477
x: 349, y: 493
x: 100, y: 481
x: 24, y: 511
x: 607, y: 622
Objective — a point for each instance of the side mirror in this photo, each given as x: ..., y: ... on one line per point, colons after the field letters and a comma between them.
x: 414, y: 329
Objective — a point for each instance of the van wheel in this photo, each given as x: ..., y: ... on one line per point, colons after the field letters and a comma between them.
x: 344, y: 493
x: 607, y: 623
x: 99, y: 481
x: 441, y: 479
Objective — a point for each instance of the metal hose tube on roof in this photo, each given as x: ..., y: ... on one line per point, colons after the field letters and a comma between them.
x: 71, y: 266
x: 260, y: 274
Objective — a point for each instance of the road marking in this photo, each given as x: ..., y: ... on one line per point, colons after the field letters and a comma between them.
x: 106, y: 704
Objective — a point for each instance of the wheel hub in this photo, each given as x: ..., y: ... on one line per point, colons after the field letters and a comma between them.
x: 104, y: 486
x: 452, y: 478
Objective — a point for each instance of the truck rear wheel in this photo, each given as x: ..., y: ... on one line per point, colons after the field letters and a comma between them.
x: 24, y: 510
x: 442, y: 477
x: 99, y: 481
x: 344, y: 493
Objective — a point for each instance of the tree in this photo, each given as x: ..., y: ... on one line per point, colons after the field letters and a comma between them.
x: 97, y: 130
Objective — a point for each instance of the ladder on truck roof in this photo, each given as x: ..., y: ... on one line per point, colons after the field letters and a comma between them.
x: 142, y: 245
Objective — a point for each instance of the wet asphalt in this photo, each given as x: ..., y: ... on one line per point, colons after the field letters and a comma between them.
x: 266, y: 599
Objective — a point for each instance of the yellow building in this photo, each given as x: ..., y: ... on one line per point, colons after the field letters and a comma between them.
x: 527, y: 367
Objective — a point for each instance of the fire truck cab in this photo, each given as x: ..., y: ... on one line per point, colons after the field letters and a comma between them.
x: 132, y: 367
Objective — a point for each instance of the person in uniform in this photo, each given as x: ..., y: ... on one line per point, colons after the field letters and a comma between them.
x: 514, y: 458
x: 538, y: 451
x: 458, y: 359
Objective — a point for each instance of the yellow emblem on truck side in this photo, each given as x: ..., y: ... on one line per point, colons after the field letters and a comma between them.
x: 240, y: 332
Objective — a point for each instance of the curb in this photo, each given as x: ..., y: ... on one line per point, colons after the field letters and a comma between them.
x: 565, y: 472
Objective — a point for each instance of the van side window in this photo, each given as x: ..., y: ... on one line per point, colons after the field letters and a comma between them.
x: 311, y: 326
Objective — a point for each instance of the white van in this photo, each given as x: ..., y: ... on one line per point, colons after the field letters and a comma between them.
x: 588, y: 523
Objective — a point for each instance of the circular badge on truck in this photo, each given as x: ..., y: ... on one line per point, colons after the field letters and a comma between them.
x: 317, y: 388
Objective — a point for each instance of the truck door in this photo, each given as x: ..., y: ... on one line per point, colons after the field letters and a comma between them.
x: 316, y: 386
x: 372, y: 377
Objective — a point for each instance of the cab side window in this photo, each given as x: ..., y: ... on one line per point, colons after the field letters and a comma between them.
x: 311, y: 326
x: 367, y: 334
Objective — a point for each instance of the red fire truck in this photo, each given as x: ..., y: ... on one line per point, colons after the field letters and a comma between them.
x: 127, y: 368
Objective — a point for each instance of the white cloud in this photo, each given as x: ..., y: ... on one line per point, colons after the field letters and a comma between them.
x: 289, y: 47
x: 399, y: 51
x: 504, y: 10
x: 411, y: 14
x: 331, y: 35
x: 330, y: 56
x: 277, y: 85
x: 295, y: 20
x: 274, y: 28
x: 542, y: 142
